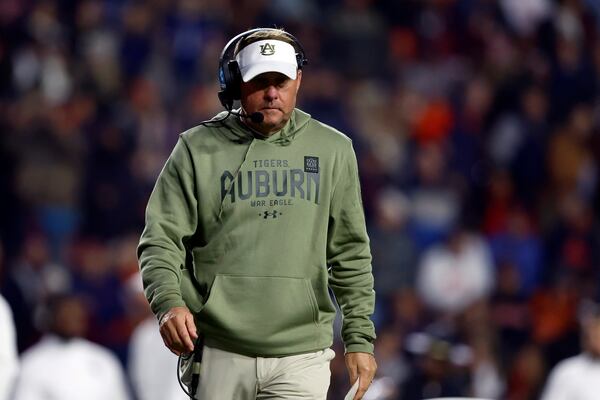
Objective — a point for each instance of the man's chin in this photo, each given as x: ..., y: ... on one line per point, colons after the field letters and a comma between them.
x: 272, y: 120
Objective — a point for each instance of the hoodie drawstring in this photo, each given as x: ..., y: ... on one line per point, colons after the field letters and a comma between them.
x: 235, y: 177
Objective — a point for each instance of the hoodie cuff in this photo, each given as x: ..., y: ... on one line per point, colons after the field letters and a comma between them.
x: 360, y: 348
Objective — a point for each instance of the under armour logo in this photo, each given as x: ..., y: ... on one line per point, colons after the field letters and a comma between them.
x: 267, y: 49
x: 267, y: 214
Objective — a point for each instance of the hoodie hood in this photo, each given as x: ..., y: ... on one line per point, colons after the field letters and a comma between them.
x: 238, y: 131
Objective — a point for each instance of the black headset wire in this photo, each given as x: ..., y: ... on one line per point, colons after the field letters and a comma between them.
x: 197, y: 358
x: 216, y: 121
x: 185, y: 357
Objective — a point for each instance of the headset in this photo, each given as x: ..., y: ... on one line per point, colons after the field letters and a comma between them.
x: 229, y: 74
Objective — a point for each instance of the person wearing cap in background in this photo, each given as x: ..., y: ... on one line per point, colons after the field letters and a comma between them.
x: 578, y: 377
x: 255, y: 215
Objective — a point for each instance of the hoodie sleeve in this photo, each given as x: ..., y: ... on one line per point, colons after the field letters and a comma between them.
x: 349, y: 257
x: 171, y: 218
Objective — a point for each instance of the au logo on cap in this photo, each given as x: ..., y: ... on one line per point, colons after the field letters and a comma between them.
x: 267, y: 49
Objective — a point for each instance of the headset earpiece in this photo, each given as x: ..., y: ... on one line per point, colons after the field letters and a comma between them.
x: 229, y: 74
x: 236, y: 78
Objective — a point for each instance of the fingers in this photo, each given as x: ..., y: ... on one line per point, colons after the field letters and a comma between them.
x: 167, y: 340
x: 177, y: 329
x: 366, y: 372
x: 184, y: 336
x: 365, y: 378
x: 191, y: 327
x: 363, y: 367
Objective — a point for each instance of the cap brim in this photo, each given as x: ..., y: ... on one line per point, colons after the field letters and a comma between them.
x: 287, y: 69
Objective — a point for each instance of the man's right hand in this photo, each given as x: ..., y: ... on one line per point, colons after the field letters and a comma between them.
x: 178, y: 330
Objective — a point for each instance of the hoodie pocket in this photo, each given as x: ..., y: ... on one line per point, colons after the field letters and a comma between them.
x: 260, y: 309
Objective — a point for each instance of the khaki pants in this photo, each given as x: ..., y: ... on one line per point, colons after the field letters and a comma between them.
x: 230, y: 376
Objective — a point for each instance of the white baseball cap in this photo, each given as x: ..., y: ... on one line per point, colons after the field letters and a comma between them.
x: 267, y: 56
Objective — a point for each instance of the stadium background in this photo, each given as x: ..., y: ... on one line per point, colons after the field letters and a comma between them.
x: 476, y: 128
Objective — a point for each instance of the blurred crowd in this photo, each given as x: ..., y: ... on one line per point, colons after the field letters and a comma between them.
x: 476, y: 125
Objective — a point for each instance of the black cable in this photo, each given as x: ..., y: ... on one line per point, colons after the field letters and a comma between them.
x: 197, y: 359
x: 179, y: 375
x: 215, y: 121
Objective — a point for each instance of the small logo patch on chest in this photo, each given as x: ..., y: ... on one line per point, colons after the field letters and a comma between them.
x: 311, y: 164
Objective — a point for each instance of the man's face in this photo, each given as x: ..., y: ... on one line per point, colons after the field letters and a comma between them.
x: 274, y: 96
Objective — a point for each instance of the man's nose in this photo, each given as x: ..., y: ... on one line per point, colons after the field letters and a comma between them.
x: 271, y: 92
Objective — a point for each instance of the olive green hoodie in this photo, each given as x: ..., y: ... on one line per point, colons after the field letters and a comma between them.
x: 266, y: 225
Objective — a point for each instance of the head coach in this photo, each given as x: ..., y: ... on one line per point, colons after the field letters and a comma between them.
x: 256, y: 214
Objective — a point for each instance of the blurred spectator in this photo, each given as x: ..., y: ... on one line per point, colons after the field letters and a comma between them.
x: 475, y: 327
x: 152, y: 367
x: 572, y: 242
x: 570, y: 84
x: 527, y: 163
x: 500, y: 200
x: 486, y: 381
x: 48, y: 176
x: 27, y: 284
x: 434, y: 374
x: 579, y: 376
x: 553, y: 317
x: 524, y: 16
x: 468, y: 156
x: 354, y: 28
x: 518, y: 246
x: 65, y: 366
x: 391, y: 363
x: 9, y: 363
x: 96, y: 281
x: 455, y: 274
x: 435, y: 202
x: 406, y: 311
x: 570, y: 160
x: 526, y: 374
x: 394, y: 259
x: 510, y: 313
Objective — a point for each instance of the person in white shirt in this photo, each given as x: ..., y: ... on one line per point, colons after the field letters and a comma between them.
x: 578, y: 377
x: 456, y: 274
x: 8, y: 350
x: 152, y: 367
x: 64, y: 365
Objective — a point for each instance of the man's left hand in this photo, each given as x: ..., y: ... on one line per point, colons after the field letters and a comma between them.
x: 361, y: 366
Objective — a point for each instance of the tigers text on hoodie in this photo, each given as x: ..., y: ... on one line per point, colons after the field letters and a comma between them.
x: 267, y: 226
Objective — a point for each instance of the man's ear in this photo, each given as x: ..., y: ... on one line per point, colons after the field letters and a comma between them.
x: 298, y: 79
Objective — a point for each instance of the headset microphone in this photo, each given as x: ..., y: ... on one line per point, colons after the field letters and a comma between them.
x: 255, y: 117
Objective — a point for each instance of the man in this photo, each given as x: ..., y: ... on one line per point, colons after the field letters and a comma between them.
x: 578, y: 377
x: 65, y: 366
x: 253, y: 217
